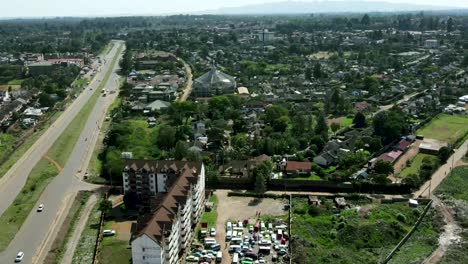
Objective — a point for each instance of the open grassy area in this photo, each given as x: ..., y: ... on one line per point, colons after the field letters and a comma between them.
x: 12, y: 219
x: 6, y: 87
x: 59, y: 245
x: 363, y: 234
x: 346, y: 122
x: 446, y: 128
x: 455, y: 186
x: 422, y: 242
x: 416, y: 164
x: 15, y: 82
x: 114, y: 250
x: 85, y: 249
x: 6, y: 143
x: 211, y: 216
x: 312, y: 177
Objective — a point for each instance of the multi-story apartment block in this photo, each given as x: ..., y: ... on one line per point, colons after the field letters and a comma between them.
x: 176, y: 190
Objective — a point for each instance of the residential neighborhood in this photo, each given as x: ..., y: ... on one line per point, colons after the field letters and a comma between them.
x: 262, y: 133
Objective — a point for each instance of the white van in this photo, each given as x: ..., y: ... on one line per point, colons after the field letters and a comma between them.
x: 228, y: 235
x: 228, y: 226
x: 235, y: 258
x: 219, y: 257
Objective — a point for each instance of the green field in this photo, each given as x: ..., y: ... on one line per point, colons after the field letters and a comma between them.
x: 211, y: 216
x: 416, y: 164
x: 446, y: 128
x: 364, y: 235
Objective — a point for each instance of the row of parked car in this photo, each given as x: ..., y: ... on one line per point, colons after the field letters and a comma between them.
x: 254, y: 243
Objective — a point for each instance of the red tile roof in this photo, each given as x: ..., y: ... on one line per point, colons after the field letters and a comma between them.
x: 298, y: 165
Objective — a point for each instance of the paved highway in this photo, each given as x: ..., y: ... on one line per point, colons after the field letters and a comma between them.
x: 39, y: 229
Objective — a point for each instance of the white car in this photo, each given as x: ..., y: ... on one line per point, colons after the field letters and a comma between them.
x: 108, y: 232
x: 212, y: 232
x: 19, y: 256
x: 40, y: 208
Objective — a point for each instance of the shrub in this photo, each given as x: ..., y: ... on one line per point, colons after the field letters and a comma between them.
x: 401, y: 217
x: 314, y: 211
x: 341, y: 225
x: 333, y: 233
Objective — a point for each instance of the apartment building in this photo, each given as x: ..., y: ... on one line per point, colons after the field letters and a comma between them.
x: 176, y: 192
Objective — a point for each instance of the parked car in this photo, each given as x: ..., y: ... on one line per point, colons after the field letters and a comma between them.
x: 192, y: 259
x: 19, y: 256
x: 212, y: 232
x: 108, y: 232
x: 40, y: 208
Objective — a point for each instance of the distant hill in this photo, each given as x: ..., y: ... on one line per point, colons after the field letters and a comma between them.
x: 298, y: 7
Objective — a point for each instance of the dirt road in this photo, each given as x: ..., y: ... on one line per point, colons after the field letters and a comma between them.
x: 449, y: 236
x: 79, y: 227
x: 189, y: 84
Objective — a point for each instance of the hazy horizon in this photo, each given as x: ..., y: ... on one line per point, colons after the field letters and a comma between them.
x: 87, y: 8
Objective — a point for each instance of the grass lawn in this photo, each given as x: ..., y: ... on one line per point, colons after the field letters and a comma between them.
x: 12, y: 219
x: 312, y: 177
x: 446, y: 128
x: 15, y: 82
x: 416, y: 164
x: 85, y: 249
x: 211, y: 216
x: 365, y: 234
x: 114, y: 250
x: 6, y: 143
x: 346, y: 122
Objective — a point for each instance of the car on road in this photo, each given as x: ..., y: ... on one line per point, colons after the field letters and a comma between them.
x: 213, y: 232
x: 19, y: 256
x: 108, y: 232
x: 40, y: 208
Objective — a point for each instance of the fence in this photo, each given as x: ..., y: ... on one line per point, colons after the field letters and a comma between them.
x: 99, y: 236
x: 403, y: 241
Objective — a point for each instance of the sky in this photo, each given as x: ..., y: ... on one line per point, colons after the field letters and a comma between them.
x: 48, y: 8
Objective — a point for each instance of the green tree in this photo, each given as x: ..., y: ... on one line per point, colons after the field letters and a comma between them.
x: 180, y: 150
x: 321, y: 128
x: 359, y: 120
x: 166, y: 137
x: 105, y: 206
x: 365, y: 20
x: 308, y: 74
x: 45, y: 100
x: 262, y: 174
x: 390, y: 124
x: 317, y: 71
x: 444, y: 154
x: 449, y: 25
x: 383, y: 167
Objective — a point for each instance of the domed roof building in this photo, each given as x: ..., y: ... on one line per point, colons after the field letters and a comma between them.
x: 214, y: 83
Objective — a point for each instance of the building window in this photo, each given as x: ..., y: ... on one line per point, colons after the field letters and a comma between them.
x: 144, y: 257
x: 143, y: 249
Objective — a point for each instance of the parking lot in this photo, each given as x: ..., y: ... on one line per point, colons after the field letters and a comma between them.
x: 257, y: 233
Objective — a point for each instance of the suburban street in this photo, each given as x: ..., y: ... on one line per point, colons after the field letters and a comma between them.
x: 39, y: 229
